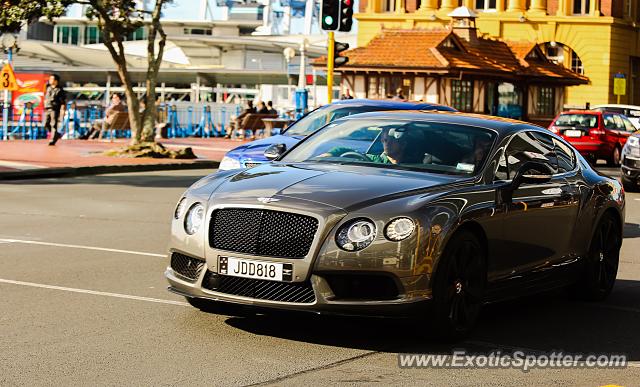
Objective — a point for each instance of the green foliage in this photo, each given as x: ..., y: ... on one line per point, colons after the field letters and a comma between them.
x: 14, y: 13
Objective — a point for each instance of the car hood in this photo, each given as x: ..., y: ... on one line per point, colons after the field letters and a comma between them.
x: 342, y: 186
x: 254, y: 150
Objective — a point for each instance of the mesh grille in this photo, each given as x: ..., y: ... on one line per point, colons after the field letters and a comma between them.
x: 262, y: 232
x: 185, y: 266
x: 301, y: 293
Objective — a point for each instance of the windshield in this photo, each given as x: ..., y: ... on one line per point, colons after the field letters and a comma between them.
x: 577, y: 120
x: 425, y: 146
x: 322, y: 116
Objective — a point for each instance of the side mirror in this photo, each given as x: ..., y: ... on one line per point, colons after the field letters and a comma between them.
x: 531, y: 172
x: 275, y: 151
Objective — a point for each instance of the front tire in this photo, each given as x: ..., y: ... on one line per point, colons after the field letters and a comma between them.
x: 458, y: 286
x: 601, y: 264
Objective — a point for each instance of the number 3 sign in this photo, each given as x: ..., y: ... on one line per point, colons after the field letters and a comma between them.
x: 8, y: 79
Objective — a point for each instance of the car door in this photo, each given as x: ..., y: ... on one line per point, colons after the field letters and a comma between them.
x: 537, y: 221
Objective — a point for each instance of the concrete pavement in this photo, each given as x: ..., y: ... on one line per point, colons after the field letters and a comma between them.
x: 84, y: 301
x: 28, y: 159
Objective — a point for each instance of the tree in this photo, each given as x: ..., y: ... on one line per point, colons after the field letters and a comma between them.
x: 116, y: 19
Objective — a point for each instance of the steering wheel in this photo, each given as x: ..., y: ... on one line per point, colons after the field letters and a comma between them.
x: 354, y: 155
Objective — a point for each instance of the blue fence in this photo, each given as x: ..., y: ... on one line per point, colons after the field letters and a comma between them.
x: 180, y: 119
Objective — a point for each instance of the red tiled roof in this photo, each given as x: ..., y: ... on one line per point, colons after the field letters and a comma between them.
x: 442, y: 49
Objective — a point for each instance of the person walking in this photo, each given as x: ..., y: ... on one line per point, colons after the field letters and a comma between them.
x: 55, y: 99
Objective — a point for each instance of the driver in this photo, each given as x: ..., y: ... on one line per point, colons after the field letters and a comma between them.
x: 399, y: 146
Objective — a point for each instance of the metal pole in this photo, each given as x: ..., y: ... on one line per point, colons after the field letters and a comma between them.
x: 7, y: 103
x: 330, y: 59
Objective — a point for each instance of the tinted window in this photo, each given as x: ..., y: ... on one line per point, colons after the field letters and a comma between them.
x: 609, y: 122
x: 390, y: 143
x: 577, y: 120
x: 565, y: 156
x: 322, y: 116
x: 628, y: 126
x: 523, y: 147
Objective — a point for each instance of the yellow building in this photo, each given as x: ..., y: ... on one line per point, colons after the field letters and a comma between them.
x: 595, y: 38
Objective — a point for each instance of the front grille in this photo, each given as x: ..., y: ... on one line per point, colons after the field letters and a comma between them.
x: 301, y: 293
x: 262, y: 232
x: 185, y: 266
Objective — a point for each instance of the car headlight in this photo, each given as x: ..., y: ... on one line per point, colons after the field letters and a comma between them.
x: 399, y: 229
x: 229, y: 163
x: 633, y: 142
x: 194, y: 219
x: 356, y: 235
x: 180, y: 208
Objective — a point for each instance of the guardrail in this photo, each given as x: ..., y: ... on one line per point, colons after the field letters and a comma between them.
x: 177, y: 119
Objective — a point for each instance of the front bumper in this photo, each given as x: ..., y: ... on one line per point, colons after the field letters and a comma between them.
x: 323, y: 300
x: 630, y: 168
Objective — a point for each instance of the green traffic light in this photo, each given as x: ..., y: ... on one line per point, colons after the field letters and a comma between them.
x: 328, y: 20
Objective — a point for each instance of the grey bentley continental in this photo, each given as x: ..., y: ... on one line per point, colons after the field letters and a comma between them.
x: 401, y: 214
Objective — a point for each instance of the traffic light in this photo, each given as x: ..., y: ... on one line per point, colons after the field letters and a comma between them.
x: 330, y: 18
x: 338, y: 60
x: 346, y: 15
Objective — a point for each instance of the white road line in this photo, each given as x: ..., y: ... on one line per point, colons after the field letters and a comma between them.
x: 93, y: 292
x: 28, y: 242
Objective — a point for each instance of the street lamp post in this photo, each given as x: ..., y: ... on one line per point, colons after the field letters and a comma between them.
x: 9, y: 42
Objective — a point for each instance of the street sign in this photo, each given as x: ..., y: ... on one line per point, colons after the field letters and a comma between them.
x: 619, y: 84
x: 8, y: 78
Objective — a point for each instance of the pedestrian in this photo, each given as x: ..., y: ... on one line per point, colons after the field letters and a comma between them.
x: 399, y: 96
x: 55, y: 99
x: 347, y: 94
x: 99, y: 125
x: 271, y: 109
x: 262, y: 108
x: 237, y: 122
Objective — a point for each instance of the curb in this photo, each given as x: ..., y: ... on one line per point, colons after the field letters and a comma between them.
x: 45, y: 173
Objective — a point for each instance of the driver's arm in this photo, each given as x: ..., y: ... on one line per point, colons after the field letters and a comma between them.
x: 336, y: 151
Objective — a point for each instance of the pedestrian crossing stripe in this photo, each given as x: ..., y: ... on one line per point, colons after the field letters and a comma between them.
x: 8, y: 78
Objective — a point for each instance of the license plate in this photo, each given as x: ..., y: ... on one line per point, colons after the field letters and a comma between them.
x: 249, y: 268
x: 573, y: 133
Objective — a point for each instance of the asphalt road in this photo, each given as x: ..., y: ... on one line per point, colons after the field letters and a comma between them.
x: 83, y: 301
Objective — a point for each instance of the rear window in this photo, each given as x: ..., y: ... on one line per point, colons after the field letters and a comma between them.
x: 577, y: 120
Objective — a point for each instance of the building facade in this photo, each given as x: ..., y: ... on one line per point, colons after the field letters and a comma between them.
x: 595, y: 38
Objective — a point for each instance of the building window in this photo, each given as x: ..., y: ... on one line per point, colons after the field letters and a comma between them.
x: 545, y: 106
x: 581, y: 7
x: 198, y: 31
x: 388, y: 5
x: 139, y: 34
x: 67, y: 35
x: 92, y: 35
x: 462, y: 95
x: 486, y: 5
x: 576, y: 63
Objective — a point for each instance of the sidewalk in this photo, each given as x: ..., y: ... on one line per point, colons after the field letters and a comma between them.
x: 31, y: 159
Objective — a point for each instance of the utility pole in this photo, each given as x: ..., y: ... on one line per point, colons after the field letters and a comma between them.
x: 330, y: 61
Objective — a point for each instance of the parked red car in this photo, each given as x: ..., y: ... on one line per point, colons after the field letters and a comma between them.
x: 595, y: 134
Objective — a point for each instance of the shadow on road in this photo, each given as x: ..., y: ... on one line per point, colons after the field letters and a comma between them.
x: 543, y: 323
x: 631, y: 230
x: 150, y: 180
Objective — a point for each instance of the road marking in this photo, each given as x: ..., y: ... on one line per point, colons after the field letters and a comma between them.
x: 93, y: 292
x: 28, y: 242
